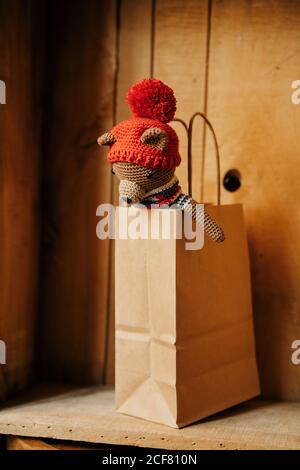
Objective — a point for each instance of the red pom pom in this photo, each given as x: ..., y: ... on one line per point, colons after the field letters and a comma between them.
x: 153, y: 99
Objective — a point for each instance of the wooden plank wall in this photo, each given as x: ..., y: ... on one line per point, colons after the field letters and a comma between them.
x: 20, y: 125
x: 254, y: 58
x: 236, y: 62
x: 180, y: 50
x: 81, y: 77
x: 134, y: 58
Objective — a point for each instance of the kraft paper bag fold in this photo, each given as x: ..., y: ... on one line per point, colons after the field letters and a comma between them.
x: 184, y: 328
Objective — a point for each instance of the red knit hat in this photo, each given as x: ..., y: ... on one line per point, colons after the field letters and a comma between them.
x: 146, y: 139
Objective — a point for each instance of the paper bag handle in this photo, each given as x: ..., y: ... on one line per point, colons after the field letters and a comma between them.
x: 190, y: 136
x: 181, y: 121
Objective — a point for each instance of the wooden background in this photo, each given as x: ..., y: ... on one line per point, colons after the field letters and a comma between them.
x: 67, y: 66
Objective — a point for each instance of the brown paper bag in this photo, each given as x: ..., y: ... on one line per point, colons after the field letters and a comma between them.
x: 184, y: 329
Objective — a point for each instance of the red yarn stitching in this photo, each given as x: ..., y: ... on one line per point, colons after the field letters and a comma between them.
x: 153, y: 99
x: 129, y: 147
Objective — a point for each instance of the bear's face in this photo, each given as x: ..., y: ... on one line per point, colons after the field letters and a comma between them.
x: 144, y: 155
x: 136, y: 181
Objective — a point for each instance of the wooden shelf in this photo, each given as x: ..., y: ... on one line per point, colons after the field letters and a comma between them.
x: 88, y: 415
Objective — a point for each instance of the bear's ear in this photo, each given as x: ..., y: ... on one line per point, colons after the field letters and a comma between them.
x: 155, y: 137
x: 106, y: 139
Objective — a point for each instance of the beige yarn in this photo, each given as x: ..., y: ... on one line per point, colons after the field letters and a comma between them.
x: 147, y: 178
x: 135, y: 184
x: 155, y: 137
x: 213, y: 230
x: 106, y: 139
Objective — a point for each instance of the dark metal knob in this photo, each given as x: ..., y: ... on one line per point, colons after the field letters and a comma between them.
x: 232, y: 180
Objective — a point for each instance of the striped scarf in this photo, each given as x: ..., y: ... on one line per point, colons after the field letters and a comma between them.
x: 167, y: 194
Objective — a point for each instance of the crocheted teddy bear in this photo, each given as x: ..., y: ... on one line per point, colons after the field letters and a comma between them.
x: 144, y: 153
